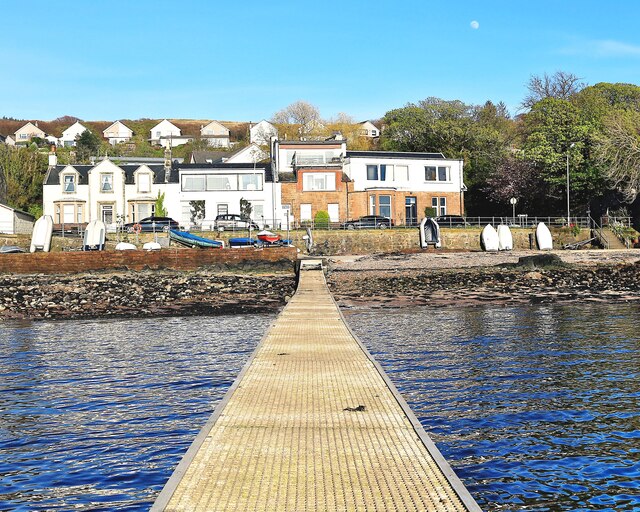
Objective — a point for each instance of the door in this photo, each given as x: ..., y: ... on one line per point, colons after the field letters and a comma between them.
x: 334, y: 212
x: 411, y: 210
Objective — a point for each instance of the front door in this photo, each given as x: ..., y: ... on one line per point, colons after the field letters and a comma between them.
x: 411, y: 210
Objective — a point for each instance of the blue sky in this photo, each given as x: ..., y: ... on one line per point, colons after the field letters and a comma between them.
x: 243, y: 61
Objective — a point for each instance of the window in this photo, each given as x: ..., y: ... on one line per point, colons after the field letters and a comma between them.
x: 334, y: 212
x: 250, y: 182
x: 439, y: 204
x: 141, y: 210
x: 386, y: 170
x: 372, y: 172
x: 318, y: 181
x: 69, y: 183
x: 106, y: 182
x: 144, y: 183
x: 372, y: 205
x: 185, y: 213
x: 374, y: 133
x: 384, y: 206
x: 305, y: 212
x: 223, y: 209
x: 193, y: 183
x: 432, y: 173
x: 68, y: 213
x: 158, y: 134
x: 222, y: 182
x: 258, y: 211
x: 401, y: 173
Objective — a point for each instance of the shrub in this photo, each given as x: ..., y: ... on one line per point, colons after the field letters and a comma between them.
x: 429, y: 211
x: 321, y: 220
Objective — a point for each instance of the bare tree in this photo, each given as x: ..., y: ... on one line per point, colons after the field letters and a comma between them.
x: 618, y: 152
x: 560, y: 85
x: 302, y: 113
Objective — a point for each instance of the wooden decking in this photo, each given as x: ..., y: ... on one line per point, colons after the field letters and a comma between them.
x: 313, y: 423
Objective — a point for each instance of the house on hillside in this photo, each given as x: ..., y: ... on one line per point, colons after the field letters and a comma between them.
x: 400, y: 185
x: 262, y: 132
x: 117, y: 132
x: 216, y: 134
x: 220, y: 187
x: 24, y: 134
x: 10, y: 140
x: 78, y: 194
x: 368, y: 129
x: 312, y: 178
x: 15, y: 222
x: 167, y: 134
x: 70, y: 135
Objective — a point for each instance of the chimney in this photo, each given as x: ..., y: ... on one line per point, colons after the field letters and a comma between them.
x: 53, y: 158
x: 167, y: 163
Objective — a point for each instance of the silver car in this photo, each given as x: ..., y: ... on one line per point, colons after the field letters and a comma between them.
x: 233, y: 221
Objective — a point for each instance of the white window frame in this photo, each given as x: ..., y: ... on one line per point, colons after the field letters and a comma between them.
x: 73, y: 183
x: 139, y: 182
x: 318, y: 181
x: 437, y: 169
x: 306, y: 212
x: 104, y: 181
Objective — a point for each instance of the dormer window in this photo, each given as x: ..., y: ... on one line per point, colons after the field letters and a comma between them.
x: 106, y: 182
x: 69, y: 183
x: 144, y: 183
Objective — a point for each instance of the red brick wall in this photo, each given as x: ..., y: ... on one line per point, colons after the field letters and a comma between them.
x: 359, y: 203
x: 174, y: 259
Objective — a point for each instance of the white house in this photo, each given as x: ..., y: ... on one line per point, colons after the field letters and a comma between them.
x: 15, y: 222
x: 368, y: 129
x: 70, y: 135
x: 117, y: 132
x: 167, y: 134
x: 10, y: 140
x: 77, y: 194
x: 216, y: 134
x: 287, y: 154
x: 221, y: 186
x: 27, y: 132
x: 262, y: 132
x: 401, y: 185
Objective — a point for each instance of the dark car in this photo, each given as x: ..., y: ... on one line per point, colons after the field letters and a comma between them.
x: 449, y: 221
x: 369, y: 221
x: 150, y: 224
x: 233, y: 221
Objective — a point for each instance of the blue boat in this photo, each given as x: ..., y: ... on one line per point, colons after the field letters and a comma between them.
x: 243, y: 242
x: 189, y: 240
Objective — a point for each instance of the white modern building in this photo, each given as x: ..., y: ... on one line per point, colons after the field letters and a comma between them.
x: 167, y: 134
x: 70, y: 135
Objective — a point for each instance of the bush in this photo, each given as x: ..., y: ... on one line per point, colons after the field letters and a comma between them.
x: 429, y: 211
x: 321, y: 220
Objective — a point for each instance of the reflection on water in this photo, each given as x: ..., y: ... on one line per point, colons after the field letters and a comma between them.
x: 536, y: 408
x: 96, y: 414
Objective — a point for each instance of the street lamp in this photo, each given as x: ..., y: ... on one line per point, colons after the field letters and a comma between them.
x: 568, y: 209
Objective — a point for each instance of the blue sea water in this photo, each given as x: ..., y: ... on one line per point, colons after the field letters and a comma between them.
x: 536, y: 408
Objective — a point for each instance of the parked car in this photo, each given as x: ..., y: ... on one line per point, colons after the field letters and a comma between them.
x: 150, y: 224
x: 233, y: 221
x: 448, y: 221
x: 369, y: 221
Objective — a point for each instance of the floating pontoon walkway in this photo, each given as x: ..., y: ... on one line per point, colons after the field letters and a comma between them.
x: 313, y: 423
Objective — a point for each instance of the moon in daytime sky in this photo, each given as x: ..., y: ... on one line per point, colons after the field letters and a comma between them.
x: 475, y: 25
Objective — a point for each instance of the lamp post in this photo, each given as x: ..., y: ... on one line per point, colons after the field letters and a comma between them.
x: 568, y: 207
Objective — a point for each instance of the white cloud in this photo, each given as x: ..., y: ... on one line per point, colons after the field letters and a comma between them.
x: 475, y: 25
x: 603, y: 48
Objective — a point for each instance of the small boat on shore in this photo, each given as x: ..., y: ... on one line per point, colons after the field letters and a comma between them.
x: 236, y: 243
x: 543, y: 237
x: 489, y: 240
x: 268, y: 236
x: 95, y: 236
x: 191, y: 240
x: 505, y: 238
x: 11, y: 249
x: 429, y: 233
x: 151, y: 246
x: 125, y: 246
x: 42, y: 233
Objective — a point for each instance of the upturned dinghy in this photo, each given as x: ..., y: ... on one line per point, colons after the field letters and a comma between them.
x: 543, y: 237
x: 489, y: 240
x: 505, y: 238
x: 42, y: 233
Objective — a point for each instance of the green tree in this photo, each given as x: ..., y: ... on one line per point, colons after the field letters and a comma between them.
x: 22, y: 172
x: 87, y: 145
x: 160, y: 210
x: 555, y: 130
x: 321, y: 220
x: 245, y: 208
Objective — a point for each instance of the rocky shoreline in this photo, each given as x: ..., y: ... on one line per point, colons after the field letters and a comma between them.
x: 392, y: 280
x: 529, y: 282
x: 141, y: 294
